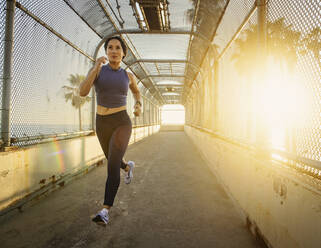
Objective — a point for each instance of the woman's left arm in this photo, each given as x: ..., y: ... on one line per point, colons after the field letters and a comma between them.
x: 135, y: 90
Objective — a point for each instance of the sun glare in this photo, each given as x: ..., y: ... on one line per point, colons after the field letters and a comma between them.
x: 173, y: 114
x: 282, y: 100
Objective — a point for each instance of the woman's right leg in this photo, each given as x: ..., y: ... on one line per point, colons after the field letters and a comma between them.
x: 117, y: 148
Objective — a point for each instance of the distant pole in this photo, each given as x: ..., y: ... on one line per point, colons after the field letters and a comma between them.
x: 7, y: 72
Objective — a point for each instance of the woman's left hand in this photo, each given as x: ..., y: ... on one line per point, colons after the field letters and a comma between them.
x: 137, y: 109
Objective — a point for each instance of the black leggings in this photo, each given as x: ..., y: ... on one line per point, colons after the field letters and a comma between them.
x: 113, y: 132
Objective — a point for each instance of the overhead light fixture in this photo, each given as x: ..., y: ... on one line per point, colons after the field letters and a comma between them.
x: 170, y: 94
x: 170, y: 89
x: 151, y: 14
x: 165, y: 82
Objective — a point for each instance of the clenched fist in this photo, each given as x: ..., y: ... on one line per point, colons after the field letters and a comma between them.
x: 100, y: 61
x: 137, y: 109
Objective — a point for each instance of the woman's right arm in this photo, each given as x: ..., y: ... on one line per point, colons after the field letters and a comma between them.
x: 86, y: 85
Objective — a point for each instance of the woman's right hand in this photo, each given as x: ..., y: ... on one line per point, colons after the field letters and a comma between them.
x: 100, y: 61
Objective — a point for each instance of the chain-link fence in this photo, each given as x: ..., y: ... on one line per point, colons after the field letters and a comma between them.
x: 52, y: 52
x: 303, y: 20
x: 286, y: 93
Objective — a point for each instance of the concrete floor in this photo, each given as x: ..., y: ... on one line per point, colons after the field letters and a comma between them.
x: 173, y: 201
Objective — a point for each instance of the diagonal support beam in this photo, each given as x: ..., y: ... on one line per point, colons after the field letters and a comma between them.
x: 192, y: 30
x: 239, y: 30
x: 165, y: 75
x: 212, y: 40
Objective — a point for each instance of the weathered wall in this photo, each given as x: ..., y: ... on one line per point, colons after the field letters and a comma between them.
x: 284, y: 205
x: 27, y: 170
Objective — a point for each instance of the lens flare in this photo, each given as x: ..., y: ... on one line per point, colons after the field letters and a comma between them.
x: 58, y: 154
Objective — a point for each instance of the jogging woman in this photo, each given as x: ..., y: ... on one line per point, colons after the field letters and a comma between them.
x: 113, y: 125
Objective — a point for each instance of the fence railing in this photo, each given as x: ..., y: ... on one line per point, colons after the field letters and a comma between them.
x: 308, y: 166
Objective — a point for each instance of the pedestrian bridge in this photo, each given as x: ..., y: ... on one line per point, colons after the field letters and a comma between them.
x: 241, y: 169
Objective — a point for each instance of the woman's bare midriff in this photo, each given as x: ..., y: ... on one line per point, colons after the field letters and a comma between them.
x: 101, y: 110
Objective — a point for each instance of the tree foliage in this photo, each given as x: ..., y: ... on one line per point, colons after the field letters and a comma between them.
x: 72, y: 92
x: 283, y: 43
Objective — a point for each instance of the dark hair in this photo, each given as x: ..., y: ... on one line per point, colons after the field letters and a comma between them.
x: 122, y: 43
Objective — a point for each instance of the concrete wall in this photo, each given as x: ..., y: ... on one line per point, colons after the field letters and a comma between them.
x: 278, y: 201
x: 30, y: 169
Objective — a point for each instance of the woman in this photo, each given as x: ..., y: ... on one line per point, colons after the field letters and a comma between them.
x: 113, y: 125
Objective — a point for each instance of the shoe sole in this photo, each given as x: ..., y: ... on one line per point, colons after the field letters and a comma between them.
x: 130, y: 180
x: 100, y: 223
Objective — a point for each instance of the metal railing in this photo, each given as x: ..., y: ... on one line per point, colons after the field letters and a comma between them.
x: 50, y: 137
x: 308, y: 166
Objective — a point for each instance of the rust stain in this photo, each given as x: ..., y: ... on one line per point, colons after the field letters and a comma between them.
x: 4, y: 173
x: 26, y: 170
x: 283, y: 191
x: 280, y: 188
x: 42, y: 181
x: 53, y: 178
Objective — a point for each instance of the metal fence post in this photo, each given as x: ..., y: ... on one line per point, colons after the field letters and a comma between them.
x: 93, y: 102
x: 93, y: 109
x: 262, y: 24
x: 149, y: 116
x: 261, y: 127
x: 7, y: 72
x: 216, y: 79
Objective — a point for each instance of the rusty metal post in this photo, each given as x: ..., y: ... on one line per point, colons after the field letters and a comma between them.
x: 261, y: 125
x: 7, y: 73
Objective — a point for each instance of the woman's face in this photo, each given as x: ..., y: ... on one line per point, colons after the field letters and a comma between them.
x: 114, y: 51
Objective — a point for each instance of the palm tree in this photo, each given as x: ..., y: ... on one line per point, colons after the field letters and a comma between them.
x: 190, y: 12
x: 206, y: 9
x: 283, y: 43
x: 312, y: 42
x: 72, y: 94
x: 246, y: 52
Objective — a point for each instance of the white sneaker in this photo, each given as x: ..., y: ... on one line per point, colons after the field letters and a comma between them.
x: 129, y: 174
x: 101, y: 218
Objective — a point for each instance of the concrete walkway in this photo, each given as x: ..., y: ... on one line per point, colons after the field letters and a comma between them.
x: 173, y: 201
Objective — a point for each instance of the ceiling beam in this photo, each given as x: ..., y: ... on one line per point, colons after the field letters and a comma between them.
x: 170, y: 76
x: 138, y: 31
x: 173, y: 61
